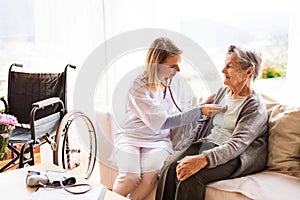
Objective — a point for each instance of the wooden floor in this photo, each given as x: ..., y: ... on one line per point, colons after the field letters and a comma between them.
x: 37, y: 160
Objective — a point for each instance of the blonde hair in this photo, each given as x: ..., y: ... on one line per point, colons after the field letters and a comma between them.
x: 160, y: 49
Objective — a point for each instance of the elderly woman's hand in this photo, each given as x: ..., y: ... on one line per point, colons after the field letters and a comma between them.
x: 190, y: 165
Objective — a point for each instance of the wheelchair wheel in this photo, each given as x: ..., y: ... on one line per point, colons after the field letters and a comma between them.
x: 76, y: 145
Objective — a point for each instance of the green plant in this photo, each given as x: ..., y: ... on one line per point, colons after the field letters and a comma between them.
x: 271, y: 72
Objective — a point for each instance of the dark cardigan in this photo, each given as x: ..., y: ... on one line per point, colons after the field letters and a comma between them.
x: 249, y: 138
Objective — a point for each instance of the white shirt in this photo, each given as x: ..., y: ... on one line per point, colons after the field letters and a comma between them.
x: 145, y: 114
x: 225, y: 122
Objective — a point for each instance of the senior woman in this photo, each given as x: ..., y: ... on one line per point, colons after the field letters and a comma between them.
x: 232, y: 143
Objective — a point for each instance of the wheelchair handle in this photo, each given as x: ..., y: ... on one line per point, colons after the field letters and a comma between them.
x: 17, y: 65
x: 72, y: 66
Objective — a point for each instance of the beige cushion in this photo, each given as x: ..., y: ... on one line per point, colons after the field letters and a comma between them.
x: 264, y: 185
x: 284, y: 138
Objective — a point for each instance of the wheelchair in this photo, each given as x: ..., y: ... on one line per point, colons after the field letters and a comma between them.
x: 38, y: 101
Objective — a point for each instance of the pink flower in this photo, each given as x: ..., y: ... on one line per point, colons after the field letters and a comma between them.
x: 7, y: 123
x: 8, y: 119
x: 4, y: 135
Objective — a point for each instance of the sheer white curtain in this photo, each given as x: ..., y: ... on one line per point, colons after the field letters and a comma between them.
x: 293, y: 70
x: 67, y: 31
x: 122, y: 16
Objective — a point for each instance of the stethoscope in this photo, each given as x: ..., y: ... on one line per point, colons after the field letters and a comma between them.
x: 171, y: 93
x: 173, y: 100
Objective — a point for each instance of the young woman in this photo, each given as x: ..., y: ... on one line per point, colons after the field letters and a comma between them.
x: 143, y: 141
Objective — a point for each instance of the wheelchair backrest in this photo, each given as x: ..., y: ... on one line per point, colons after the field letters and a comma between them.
x: 24, y: 89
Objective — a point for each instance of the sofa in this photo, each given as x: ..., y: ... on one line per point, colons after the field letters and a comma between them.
x: 280, y: 179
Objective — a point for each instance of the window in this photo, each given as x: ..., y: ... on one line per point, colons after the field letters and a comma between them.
x: 49, y: 34
x: 16, y: 34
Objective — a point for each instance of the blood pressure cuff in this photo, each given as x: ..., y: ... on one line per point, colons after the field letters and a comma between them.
x: 57, y: 177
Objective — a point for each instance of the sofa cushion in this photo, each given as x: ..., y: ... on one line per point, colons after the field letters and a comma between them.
x: 265, y: 185
x: 284, y: 138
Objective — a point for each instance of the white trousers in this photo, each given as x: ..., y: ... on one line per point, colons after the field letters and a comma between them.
x: 138, y: 169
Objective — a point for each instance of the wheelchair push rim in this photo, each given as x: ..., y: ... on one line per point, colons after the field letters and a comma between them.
x: 69, y: 155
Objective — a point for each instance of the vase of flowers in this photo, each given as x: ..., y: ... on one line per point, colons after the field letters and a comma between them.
x: 7, y: 125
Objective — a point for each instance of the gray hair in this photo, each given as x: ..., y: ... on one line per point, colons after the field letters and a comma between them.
x: 247, y: 58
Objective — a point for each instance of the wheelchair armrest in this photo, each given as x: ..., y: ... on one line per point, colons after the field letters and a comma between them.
x: 41, y: 105
x: 47, y: 102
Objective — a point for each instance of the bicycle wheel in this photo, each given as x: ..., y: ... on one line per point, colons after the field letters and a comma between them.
x: 76, y: 144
